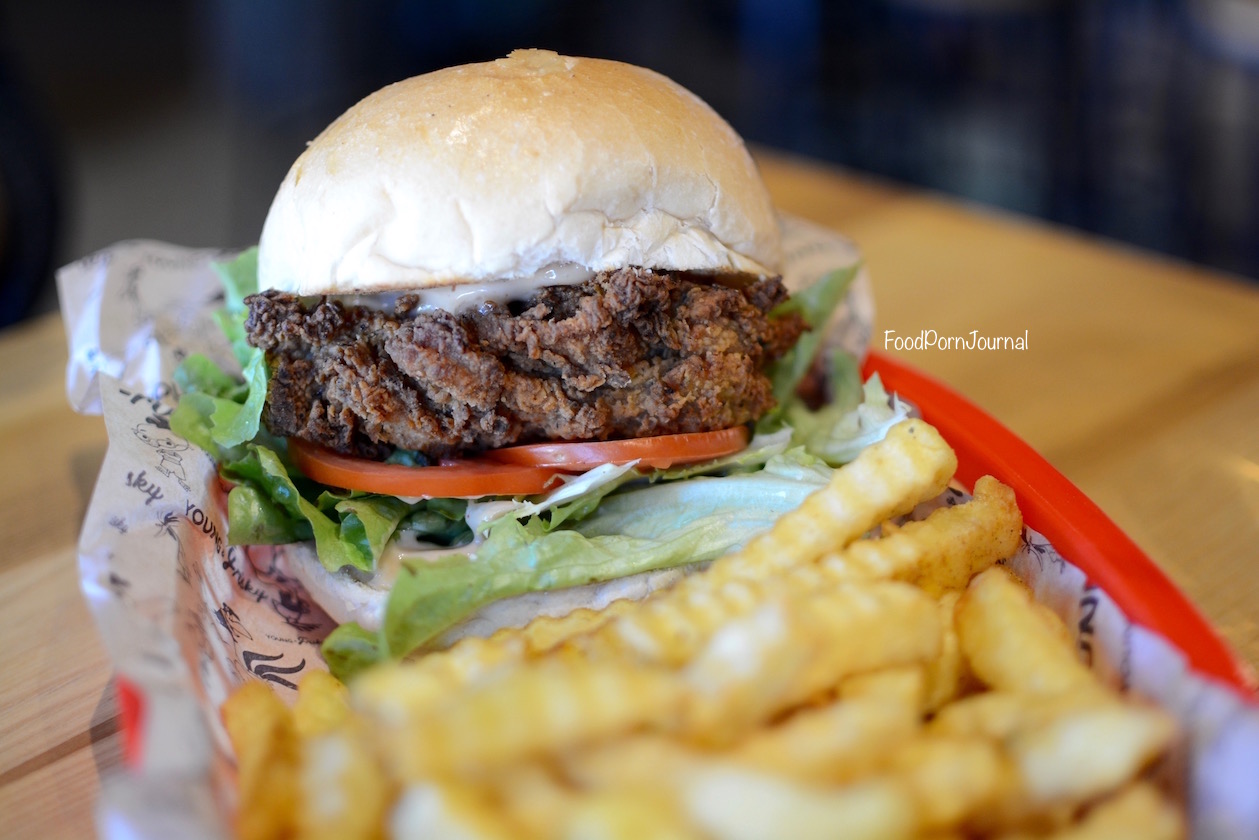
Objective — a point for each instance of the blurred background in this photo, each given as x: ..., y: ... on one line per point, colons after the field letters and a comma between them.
x: 177, y: 119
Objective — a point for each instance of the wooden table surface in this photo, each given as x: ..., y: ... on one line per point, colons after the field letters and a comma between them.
x: 1140, y: 383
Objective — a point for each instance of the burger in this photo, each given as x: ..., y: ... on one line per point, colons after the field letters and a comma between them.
x: 514, y: 340
x: 540, y: 248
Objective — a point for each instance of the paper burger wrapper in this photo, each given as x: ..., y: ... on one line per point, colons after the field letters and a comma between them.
x: 186, y: 616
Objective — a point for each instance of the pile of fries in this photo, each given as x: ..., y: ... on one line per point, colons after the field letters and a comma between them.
x: 840, y: 677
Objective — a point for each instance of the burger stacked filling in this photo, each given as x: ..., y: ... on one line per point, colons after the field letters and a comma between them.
x: 609, y: 409
x: 629, y: 353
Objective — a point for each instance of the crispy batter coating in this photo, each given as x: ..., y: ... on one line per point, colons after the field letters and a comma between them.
x: 629, y: 353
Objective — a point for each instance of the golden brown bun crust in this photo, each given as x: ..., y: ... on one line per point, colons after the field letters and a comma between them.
x: 498, y: 170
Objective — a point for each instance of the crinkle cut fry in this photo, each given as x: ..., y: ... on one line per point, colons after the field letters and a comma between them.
x: 793, y: 648
x: 731, y: 799
x: 891, y: 477
x: 672, y: 627
x: 565, y: 699
x: 1139, y: 810
x: 949, y: 545
x: 942, y: 552
x: 1008, y: 643
x: 267, y: 753
x: 547, y: 706
x: 912, y: 464
x: 400, y: 691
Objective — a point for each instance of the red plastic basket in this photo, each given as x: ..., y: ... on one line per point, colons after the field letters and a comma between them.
x: 1075, y: 526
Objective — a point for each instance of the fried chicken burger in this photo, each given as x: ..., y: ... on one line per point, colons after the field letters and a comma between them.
x: 539, y: 248
x: 508, y: 333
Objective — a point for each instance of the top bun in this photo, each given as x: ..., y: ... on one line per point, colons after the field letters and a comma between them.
x: 500, y: 170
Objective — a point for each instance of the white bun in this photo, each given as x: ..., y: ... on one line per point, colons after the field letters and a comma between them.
x: 500, y: 170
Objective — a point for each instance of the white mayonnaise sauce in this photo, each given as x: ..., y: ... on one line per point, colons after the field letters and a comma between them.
x: 464, y: 296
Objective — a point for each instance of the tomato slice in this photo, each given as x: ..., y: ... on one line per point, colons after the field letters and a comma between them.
x: 469, y: 479
x: 659, y: 452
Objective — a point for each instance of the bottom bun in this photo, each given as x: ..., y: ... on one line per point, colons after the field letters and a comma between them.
x: 347, y: 598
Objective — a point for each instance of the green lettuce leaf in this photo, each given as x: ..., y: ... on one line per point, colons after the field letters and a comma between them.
x: 837, y: 435
x: 368, y: 522
x: 240, y: 280
x: 439, y: 521
x: 641, y: 529
x: 349, y: 649
x: 214, y: 411
x: 761, y: 448
x: 815, y: 305
x: 254, y: 519
x: 200, y: 374
x: 354, y: 536
x: 581, y: 495
x: 231, y: 423
x: 750, y: 501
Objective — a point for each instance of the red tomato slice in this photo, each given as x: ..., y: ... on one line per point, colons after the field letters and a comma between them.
x: 468, y: 479
x: 659, y: 452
